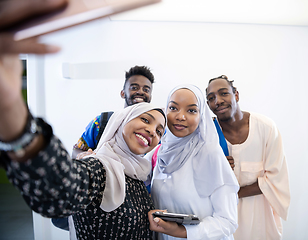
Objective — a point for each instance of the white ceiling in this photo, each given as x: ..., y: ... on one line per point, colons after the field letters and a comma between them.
x: 278, y: 12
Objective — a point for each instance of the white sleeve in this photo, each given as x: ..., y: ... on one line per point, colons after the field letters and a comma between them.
x: 223, y: 222
x: 275, y: 182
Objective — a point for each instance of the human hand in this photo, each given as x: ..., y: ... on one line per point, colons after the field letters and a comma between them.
x: 13, y: 110
x: 13, y: 11
x: 83, y: 154
x: 169, y: 228
x: 9, y: 46
x: 231, y: 161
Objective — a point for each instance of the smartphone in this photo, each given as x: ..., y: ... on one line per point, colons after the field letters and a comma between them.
x: 74, y: 13
x: 188, y: 219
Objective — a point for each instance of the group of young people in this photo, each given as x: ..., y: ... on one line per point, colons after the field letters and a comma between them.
x: 243, y: 195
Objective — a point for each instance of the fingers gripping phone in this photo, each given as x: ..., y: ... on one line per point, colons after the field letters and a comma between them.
x: 74, y: 13
x: 185, y: 219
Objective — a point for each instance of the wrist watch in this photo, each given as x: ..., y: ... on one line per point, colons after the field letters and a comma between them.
x: 17, y: 146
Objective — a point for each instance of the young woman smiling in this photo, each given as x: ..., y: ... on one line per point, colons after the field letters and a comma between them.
x: 104, y: 192
x: 192, y: 175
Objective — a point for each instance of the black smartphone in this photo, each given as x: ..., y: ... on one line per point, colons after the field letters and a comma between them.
x: 188, y: 219
x: 74, y: 13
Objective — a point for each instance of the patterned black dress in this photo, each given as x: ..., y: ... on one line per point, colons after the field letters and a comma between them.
x: 54, y: 185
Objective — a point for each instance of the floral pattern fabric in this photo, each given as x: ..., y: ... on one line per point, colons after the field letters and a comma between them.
x: 54, y: 185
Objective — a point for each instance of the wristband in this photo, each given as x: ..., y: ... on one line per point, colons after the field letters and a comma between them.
x: 17, y: 146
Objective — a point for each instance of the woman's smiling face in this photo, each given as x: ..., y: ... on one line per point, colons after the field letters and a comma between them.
x: 144, y: 132
x: 183, y: 114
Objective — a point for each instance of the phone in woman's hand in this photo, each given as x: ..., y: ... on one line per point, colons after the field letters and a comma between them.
x: 188, y: 219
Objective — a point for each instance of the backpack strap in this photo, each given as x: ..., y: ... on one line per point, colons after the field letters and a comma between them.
x: 102, y: 124
x: 222, y: 140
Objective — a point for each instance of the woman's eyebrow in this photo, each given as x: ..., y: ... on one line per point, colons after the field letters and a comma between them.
x: 173, y: 102
x: 192, y: 105
x: 150, y: 115
x: 154, y: 119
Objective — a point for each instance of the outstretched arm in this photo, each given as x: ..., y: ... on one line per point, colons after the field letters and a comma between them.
x: 46, y: 175
x: 14, y: 113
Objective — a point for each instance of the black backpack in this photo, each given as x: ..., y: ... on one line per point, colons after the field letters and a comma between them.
x: 102, y: 125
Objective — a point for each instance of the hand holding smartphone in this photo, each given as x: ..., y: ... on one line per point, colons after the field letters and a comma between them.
x: 185, y: 219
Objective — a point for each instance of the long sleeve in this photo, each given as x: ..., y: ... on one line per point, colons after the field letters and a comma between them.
x: 223, y: 222
x: 275, y: 182
x: 177, y: 193
x: 54, y: 185
x: 261, y: 158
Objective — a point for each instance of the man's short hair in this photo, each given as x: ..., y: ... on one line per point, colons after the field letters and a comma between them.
x: 230, y: 82
x: 139, y: 70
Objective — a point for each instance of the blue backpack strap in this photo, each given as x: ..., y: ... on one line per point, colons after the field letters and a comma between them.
x: 222, y: 140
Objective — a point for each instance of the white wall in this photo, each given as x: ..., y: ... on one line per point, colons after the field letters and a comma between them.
x: 267, y: 62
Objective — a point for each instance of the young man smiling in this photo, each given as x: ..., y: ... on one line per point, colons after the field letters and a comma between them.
x: 137, y: 88
x: 260, y: 164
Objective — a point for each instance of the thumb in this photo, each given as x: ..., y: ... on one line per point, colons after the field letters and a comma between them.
x: 161, y: 223
x: 157, y: 220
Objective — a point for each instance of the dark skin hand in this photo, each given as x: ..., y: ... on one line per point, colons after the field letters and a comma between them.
x: 249, y: 190
x: 231, y: 161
